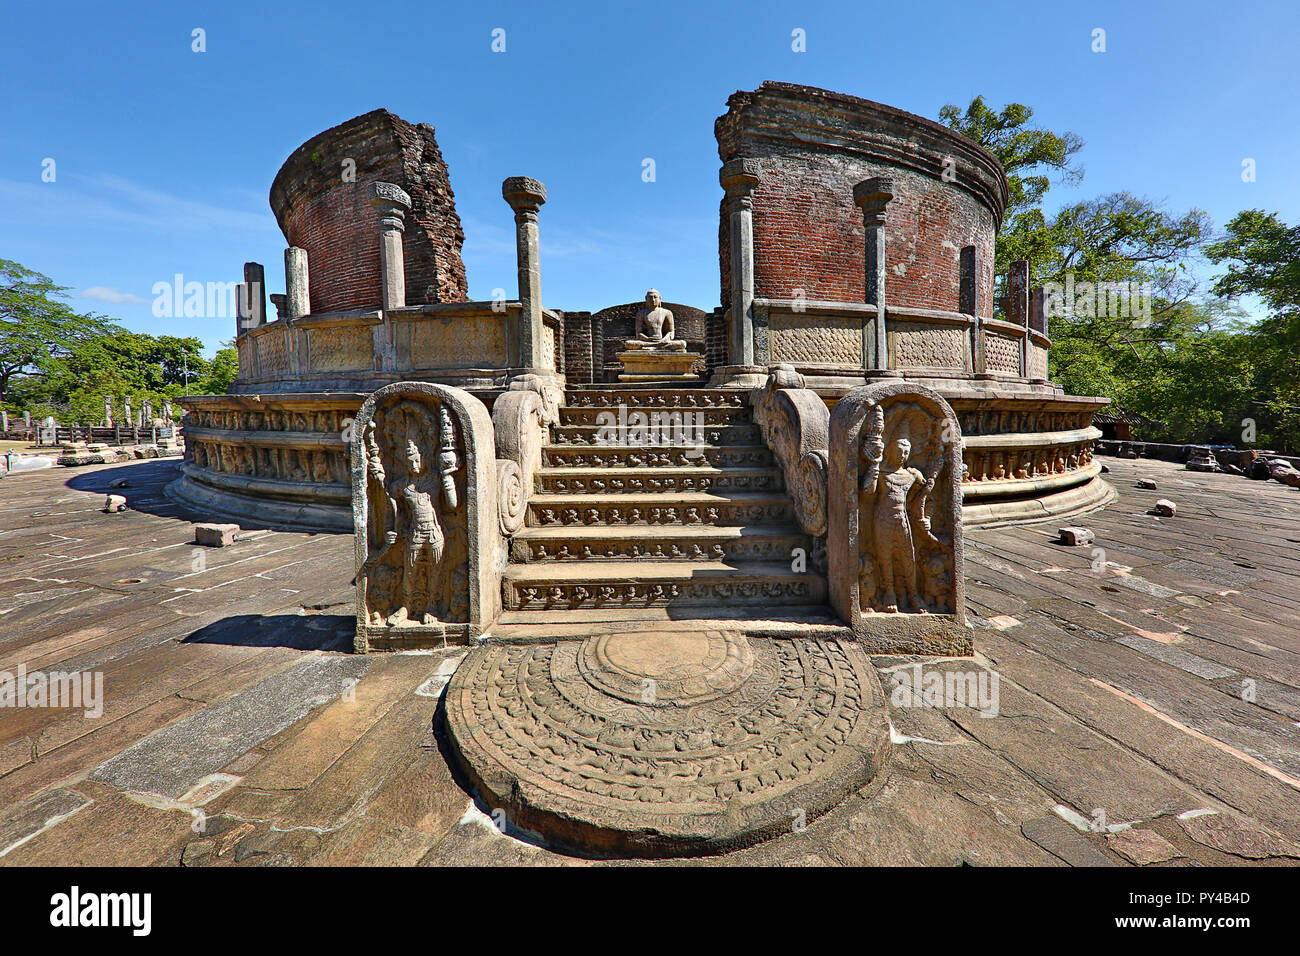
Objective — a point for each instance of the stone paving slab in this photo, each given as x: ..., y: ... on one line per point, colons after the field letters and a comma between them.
x: 1120, y: 698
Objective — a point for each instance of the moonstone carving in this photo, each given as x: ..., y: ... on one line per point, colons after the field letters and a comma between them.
x: 894, y: 523
x: 425, y: 516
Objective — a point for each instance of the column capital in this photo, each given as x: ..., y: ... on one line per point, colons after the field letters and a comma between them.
x: 873, y: 195
x: 393, y: 204
x: 525, y: 194
x: 739, y: 177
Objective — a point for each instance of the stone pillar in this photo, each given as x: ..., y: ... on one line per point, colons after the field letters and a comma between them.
x: 167, y: 412
x: 126, y: 404
x: 1038, y: 310
x: 146, y: 411
x: 27, y: 420
x: 250, y: 302
x: 526, y: 196
x: 4, y: 422
x: 108, y: 411
x: 1018, y: 307
x: 970, y: 305
x: 873, y: 196
x: 296, y: 283
x: 392, y: 203
x: 738, y: 179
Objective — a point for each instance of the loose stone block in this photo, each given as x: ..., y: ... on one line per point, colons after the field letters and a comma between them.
x: 894, y: 543
x: 1202, y: 459
x: 425, y: 518
x: 1147, y: 483
x: 114, y: 503
x: 215, y: 535
x: 1075, y: 536
x: 1166, y: 508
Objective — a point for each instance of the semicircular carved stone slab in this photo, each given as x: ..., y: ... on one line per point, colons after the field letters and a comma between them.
x: 661, y: 744
x: 894, y: 538
x: 426, y: 526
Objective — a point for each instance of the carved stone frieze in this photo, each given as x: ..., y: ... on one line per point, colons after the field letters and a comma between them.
x: 426, y: 525
x: 894, y: 531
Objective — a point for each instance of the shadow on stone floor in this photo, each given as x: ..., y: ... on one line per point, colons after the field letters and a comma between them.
x: 300, y: 632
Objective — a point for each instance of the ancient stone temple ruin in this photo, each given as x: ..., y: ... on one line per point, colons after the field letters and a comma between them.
x: 726, y: 508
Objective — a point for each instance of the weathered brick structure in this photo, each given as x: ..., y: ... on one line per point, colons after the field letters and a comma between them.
x: 319, y: 199
x: 813, y: 146
x: 856, y: 245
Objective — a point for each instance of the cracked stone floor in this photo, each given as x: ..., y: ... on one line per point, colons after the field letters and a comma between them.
x: 1149, y: 694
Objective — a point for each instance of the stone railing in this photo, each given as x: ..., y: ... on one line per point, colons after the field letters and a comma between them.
x: 467, y: 344
x: 795, y: 423
x: 830, y: 339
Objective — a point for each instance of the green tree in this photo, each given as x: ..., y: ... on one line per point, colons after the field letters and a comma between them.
x: 36, y: 328
x: 1030, y: 157
x: 1262, y: 255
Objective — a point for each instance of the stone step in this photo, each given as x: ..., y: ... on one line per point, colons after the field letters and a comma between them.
x: 663, y: 397
x: 683, y: 509
x: 788, y: 620
x: 684, y: 438
x: 774, y: 543
x: 577, y: 456
x: 635, y: 585
x: 668, y: 480
x: 724, y: 415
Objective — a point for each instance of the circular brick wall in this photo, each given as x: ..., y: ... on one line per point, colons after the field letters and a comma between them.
x: 814, y: 146
x: 329, y: 217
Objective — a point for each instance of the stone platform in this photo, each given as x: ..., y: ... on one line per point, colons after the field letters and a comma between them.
x: 666, y: 743
x: 1124, y: 734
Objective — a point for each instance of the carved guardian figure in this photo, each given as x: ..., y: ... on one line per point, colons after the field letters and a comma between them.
x: 894, y: 522
x: 425, y: 516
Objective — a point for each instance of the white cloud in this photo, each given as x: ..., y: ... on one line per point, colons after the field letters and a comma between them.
x: 104, y: 294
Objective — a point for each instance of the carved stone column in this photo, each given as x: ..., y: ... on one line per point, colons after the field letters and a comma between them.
x: 526, y: 197
x: 873, y: 196
x: 969, y: 304
x: 738, y: 178
x: 297, y: 300
x: 1018, y: 307
x: 392, y: 203
x: 108, y: 411
x: 250, y: 299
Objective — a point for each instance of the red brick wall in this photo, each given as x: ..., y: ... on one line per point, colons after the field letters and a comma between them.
x: 333, y: 221
x: 808, y: 234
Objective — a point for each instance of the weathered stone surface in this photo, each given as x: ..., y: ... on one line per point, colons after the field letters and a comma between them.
x: 1166, y: 508
x: 1147, y: 483
x: 1230, y: 834
x: 424, y: 506
x: 215, y: 535
x: 666, y: 743
x: 894, y: 541
x: 171, y: 761
x: 1075, y: 536
x: 1142, y: 847
x: 1060, y: 839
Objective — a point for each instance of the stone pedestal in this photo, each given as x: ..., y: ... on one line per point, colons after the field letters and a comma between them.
x: 652, y: 365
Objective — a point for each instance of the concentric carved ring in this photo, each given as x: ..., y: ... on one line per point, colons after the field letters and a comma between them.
x: 666, y: 743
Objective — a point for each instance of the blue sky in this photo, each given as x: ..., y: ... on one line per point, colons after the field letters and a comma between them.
x: 164, y: 156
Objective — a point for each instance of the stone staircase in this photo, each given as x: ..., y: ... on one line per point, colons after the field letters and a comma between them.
x: 692, y: 522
